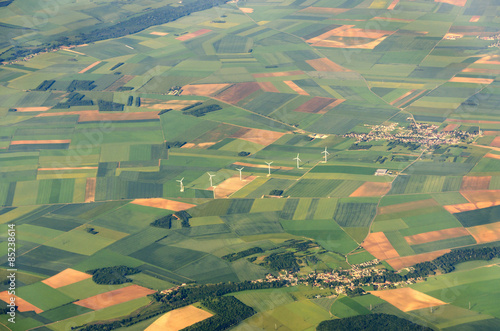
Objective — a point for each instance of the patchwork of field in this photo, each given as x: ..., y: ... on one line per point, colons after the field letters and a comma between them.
x: 102, y: 139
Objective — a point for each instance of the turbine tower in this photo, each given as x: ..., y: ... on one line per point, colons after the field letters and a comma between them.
x: 240, y: 171
x: 298, y: 160
x: 182, y: 186
x: 326, y: 154
x: 211, y: 183
x: 269, y: 167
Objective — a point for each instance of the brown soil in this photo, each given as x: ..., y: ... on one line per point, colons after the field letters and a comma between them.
x: 156, y: 33
x: 193, y: 34
x: 471, y: 80
x: 475, y: 183
x: 179, y: 319
x: 451, y: 127
x: 324, y: 64
x: 496, y: 142
x: 66, y: 277
x: 295, y: 87
x: 493, y: 156
x: 371, y: 189
x: 279, y: 74
x: 268, y: 87
x: 163, y: 204
x: 485, y: 233
x: 246, y: 10
x: 168, y: 104
x: 89, y: 67
x: 458, y: 208
x: 320, y: 10
x: 408, y: 206
x: 36, y: 142
x: 427, y: 237
x: 114, y: 297
x: 407, y: 299
x: 316, y: 105
x: 474, y: 18
x: 460, y: 3
x: 407, y: 261
x: 96, y: 116
x: 379, y: 246
x: 393, y: 4
x: 231, y: 185
x: 238, y: 92
x: 402, y: 97
x: 30, y: 109
x: 22, y: 305
x: 90, y: 189
x: 261, y: 137
x: 483, y: 199
x: 261, y: 166
x: 202, y: 89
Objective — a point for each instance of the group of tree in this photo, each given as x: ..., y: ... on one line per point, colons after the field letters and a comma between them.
x: 184, y: 217
x: 228, y: 311
x: 109, y: 106
x: 163, y: 222
x: 74, y: 99
x: 201, y: 111
x: 247, y: 252
x: 119, y: 64
x: 112, y: 275
x: 130, y: 101
x: 174, y: 144
x: 370, y: 322
x: 81, y: 85
x: 128, y: 26
x: 282, y: 261
x: 164, y: 111
x: 45, y: 85
x: 181, y: 297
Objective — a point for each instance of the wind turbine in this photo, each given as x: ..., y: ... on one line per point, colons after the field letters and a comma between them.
x: 269, y: 166
x: 326, y: 154
x: 240, y: 171
x: 298, y: 160
x: 211, y: 184
x: 182, y: 186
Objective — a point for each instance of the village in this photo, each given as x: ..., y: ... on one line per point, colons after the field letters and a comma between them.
x: 421, y: 133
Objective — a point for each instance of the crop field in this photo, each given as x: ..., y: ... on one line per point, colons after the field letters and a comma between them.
x: 115, y: 116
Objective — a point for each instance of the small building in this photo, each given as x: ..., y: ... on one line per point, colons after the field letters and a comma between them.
x: 381, y: 172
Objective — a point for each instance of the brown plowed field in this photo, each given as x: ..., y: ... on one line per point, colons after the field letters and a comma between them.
x: 471, y: 80
x: 30, y: 109
x: 496, y: 142
x: 483, y: 198
x: 258, y: 136
x: 475, y: 183
x: 407, y: 261
x: 482, y: 71
x: 90, y: 189
x: 22, y: 305
x: 115, y: 297
x: 485, y: 233
x: 371, y: 189
x: 163, y: 204
x: 321, y: 10
x: 96, y: 116
x: 89, y: 67
x: 238, y: 92
x: 268, y: 87
x: 407, y: 299
x: 458, y: 208
x: 492, y: 156
x: 393, y: 4
x: 156, y: 33
x: 231, y: 185
x: 278, y: 74
x: 379, y: 246
x: 246, y: 10
x: 408, y: 206
x: 427, y: 237
x: 179, y: 319
x: 474, y: 18
x: 402, y: 97
x: 202, y: 89
x: 36, y: 142
x: 66, y: 277
x: 315, y: 105
x: 459, y: 3
x: 295, y: 87
x: 119, y: 83
x: 162, y: 104
x: 451, y: 127
x: 324, y: 64
x: 193, y: 34
x: 261, y: 166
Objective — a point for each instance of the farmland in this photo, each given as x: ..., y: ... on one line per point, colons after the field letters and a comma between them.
x: 206, y: 142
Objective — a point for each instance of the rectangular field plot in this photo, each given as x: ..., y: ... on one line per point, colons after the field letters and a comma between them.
x: 253, y: 224
x: 313, y: 188
x: 355, y: 214
x: 444, y: 244
x: 479, y: 216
